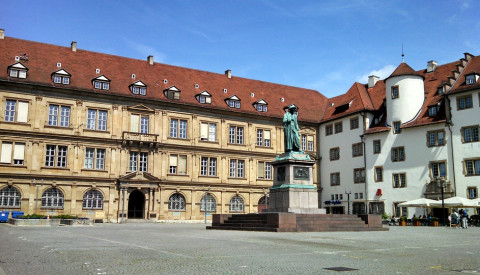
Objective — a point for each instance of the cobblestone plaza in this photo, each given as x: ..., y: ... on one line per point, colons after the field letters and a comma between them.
x: 148, y: 248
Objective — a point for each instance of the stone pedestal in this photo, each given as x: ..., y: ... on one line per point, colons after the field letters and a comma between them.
x: 293, y: 190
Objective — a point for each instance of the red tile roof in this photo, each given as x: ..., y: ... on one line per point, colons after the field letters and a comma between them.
x: 82, y: 65
x: 473, y: 66
x: 403, y: 69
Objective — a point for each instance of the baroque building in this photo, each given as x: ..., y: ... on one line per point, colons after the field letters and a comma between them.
x: 113, y: 138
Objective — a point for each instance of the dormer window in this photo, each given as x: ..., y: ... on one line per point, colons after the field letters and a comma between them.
x: 101, y: 83
x: 172, y: 93
x: 233, y: 102
x: 17, y: 70
x: 138, y: 88
x: 440, y: 90
x: 260, y: 105
x: 61, y: 77
x: 204, y: 97
x: 471, y: 79
x: 432, y: 111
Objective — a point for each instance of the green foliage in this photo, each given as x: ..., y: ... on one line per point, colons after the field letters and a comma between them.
x: 403, y: 218
x: 38, y: 216
x: 385, y: 216
x: 435, y: 219
x: 64, y: 217
x: 32, y: 216
x: 415, y: 218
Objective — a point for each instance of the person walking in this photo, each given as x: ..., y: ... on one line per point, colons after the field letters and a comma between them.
x: 464, y: 217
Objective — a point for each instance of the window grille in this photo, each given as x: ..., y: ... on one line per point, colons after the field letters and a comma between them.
x: 10, y: 197
x: 52, y: 198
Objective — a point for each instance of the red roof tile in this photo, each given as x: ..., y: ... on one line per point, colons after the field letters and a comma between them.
x: 43, y: 59
x: 403, y: 69
x: 473, y: 66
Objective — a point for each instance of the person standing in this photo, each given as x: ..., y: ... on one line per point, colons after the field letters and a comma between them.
x: 464, y: 215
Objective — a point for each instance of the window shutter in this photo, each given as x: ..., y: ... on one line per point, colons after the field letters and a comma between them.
x: 182, y: 164
x: 261, y: 170
x: 309, y: 138
x: 208, y: 100
x: 173, y: 160
x: 134, y: 123
x: 19, y: 152
x: 22, y: 111
x: 267, y: 134
x: 6, y: 153
x: 204, y: 131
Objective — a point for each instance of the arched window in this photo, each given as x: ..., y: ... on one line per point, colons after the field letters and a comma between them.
x: 176, y: 202
x: 236, y: 204
x: 208, y: 203
x: 10, y: 197
x: 52, y: 198
x: 93, y: 199
x: 263, y: 200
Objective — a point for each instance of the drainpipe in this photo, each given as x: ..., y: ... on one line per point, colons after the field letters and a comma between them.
x: 449, y: 124
x: 362, y: 137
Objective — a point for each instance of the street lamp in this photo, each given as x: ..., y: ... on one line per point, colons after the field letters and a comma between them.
x: 441, y: 184
x: 348, y: 192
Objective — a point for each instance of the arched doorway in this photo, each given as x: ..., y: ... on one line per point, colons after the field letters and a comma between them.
x: 262, y: 203
x: 136, y: 205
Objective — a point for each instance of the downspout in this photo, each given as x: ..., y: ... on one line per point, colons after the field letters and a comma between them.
x: 449, y: 124
x: 362, y: 137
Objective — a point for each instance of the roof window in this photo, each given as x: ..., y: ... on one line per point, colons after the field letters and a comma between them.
x: 204, y: 97
x: 172, y: 93
x: 138, y: 87
x: 471, y: 79
x: 233, y: 102
x: 261, y: 105
x: 17, y: 70
x: 61, y: 77
x: 432, y: 111
x: 101, y: 83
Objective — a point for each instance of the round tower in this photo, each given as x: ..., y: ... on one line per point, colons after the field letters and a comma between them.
x: 405, y: 94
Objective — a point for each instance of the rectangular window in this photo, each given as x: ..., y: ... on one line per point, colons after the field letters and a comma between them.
x: 16, y: 111
x: 354, y: 123
x: 56, y: 119
x: 13, y: 153
x: 464, y: 102
x: 395, y: 92
x: 470, y: 134
x: 470, y: 79
x: 329, y: 130
x: 208, y: 131
x: 263, y: 137
x: 400, y: 210
x: 338, y: 127
x: 56, y: 156
x: 335, y: 153
x: 377, y: 208
x: 398, y: 154
x: 396, y: 127
x: 237, y: 168
x: 138, y: 161
x: 379, y: 174
x: 359, y: 175
x: 399, y: 180
x: 97, y: 120
x: 377, y: 148
x: 178, y: 164
x: 208, y: 166
x: 95, y: 158
x: 334, y: 179
x: 438, y: 169
x: 432, y: 111
x: 436, y: 138
x: 307, y: 143
x: 472, y: 167
x: 472, y: 192
x: 264, y: 170
x: 139, y: 123
x: 357, y: 149
x: 235, y: 135
x: 178, y: 128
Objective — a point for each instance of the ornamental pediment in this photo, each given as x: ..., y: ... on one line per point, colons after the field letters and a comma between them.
x: 138, y: 177
x: 141, y: 108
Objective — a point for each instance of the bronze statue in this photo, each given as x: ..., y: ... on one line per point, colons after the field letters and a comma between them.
x: 291, y: 129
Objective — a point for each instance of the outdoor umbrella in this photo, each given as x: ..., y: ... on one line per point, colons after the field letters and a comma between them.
x: 455, y: 202
x: 423, y: 202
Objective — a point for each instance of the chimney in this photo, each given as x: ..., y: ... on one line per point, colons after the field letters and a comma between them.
x: 2, y: 34
x: 228, y: 73
x: 372, y: 80
x: 150, y: 59
x: 73, y: 46
x: 431, y: 66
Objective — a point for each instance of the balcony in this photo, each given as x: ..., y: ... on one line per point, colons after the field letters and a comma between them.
x: 133, y: 139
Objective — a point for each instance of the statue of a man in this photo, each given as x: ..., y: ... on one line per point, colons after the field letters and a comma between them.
x: 291, y: 130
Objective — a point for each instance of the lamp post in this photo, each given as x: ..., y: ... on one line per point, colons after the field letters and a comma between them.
x: 348, y: 192
x: 205, y: 202
x: 441, y: 184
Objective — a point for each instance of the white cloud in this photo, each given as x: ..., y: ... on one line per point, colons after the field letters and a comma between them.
x: 145, y: 50
x: 381, y: 73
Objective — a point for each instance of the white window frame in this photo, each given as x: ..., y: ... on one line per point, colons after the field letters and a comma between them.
x: 208, y: 166
x: 56, y: 156
x: 97, y: 119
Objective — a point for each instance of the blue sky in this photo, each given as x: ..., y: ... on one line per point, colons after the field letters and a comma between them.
x: 321, y: 45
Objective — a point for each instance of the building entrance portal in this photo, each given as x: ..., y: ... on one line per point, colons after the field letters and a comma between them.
x: 136, y: 205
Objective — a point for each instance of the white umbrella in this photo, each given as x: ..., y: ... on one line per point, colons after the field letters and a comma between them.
x: 423, y: 202
x: 457, y: 202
